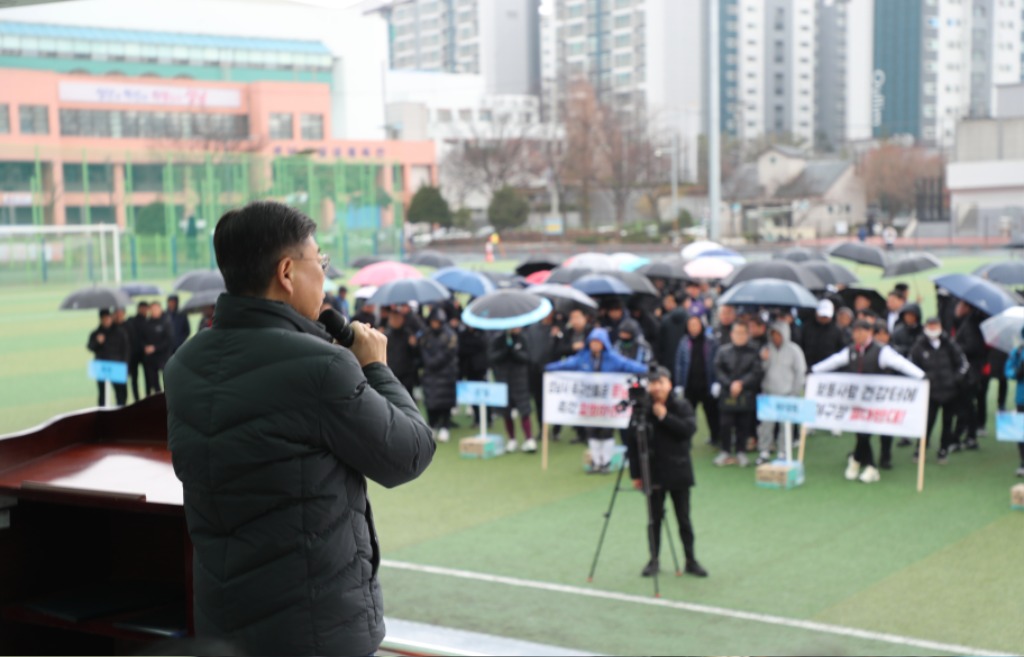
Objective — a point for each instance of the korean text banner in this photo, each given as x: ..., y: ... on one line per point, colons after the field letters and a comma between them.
x: 586, y: 399
x: 867, y: 403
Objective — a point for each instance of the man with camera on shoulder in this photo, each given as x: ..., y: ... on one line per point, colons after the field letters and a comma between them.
x: 671, y: 424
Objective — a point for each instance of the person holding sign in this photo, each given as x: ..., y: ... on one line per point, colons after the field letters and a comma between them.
x: 946, y: 367
x: 110, y: 342
x: 784, y: 371
x: 1015, y: 370
x: 865, y: 356
x: 599, y: 357
x: 672, y: 424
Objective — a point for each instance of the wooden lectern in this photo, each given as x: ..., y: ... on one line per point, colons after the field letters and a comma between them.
x: 95, y: 556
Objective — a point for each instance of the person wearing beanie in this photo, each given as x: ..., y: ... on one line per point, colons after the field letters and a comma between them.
x: 865, y: 356
x: 822, y: 337
x: 945, y: 365
x: 439, y: 351
x: 110, y: 342
x: 1015, y: 372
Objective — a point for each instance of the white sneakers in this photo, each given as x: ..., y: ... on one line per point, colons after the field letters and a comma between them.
x: 721, y: 459
x: 852, y: 469
x: 530, y: 445
x: 511, y: 446
x: 443, y: 436
x: 870, y: 475
x: 741, y: 458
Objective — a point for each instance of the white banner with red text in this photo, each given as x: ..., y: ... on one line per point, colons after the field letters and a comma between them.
x: 587, y: 399
x: 874, y: 404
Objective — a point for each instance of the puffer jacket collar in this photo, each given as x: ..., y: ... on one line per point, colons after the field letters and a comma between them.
x: 238, y: 312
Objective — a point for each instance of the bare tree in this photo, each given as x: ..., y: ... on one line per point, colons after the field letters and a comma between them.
x: 890, y: 172
x: 581, y: 162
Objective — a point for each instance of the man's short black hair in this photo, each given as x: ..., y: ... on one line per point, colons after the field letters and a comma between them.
x: 250, y: 241
x: 864, y: 324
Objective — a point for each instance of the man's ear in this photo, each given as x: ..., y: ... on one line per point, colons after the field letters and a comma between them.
x: 284, y: 273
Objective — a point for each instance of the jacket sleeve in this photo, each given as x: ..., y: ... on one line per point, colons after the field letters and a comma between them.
x: 752, y: 378
x: 1012, y: 363
x: 93, y: 344
x: 836, y: 361
x: 799, y: 371
x: 682, y: 364
x: 571, y: 364
x: 723, y: 373
x: 624, y: 364
x: 680, y: 420
x: 370, y: 423
x: 889, y: 359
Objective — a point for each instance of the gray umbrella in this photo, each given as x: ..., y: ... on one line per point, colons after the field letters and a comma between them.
x: 781, y: 269
x: 768, y: 292
x: 564, y: 298
x: 94, y: 298
x: 859, y: 252
x: 800, y: 254
x: 911, y: 264
x: 201, y: 300
x: 430, y: 259
x: 830, y: 273
x: 200, y: 280
x: 1008, y: 272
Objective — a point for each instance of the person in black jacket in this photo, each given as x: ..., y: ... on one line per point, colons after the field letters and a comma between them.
x: 439, y: 349
x: 738, y: 375
x: 472, y: 358
x: 907, y: 334
x: 510, y: 362
x: 670, y: 333
x: 403, y: 350
x: 541, y: 346
x: 945, y: 365
x: 273, y: 431
x: 135, y: 326
x: 973, y: 400
x: 157, y: 338
x: 671, y: 424
x: 179, y: 323
x: 110, y: 342
x: 822, y: 338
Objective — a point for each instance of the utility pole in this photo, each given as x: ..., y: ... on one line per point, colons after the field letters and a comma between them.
x: 714, y: 129
x: 675, y: 179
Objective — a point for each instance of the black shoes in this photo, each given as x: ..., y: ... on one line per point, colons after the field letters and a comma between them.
x: 886, y: 464
x: 695, y: 569
x: 904, y: 442
x: 651, y: 568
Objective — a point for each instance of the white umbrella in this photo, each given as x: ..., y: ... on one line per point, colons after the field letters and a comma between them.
x: 591, y: 260
x: 710, y: 268
x: 691, y: 251
x: 1002, y: 331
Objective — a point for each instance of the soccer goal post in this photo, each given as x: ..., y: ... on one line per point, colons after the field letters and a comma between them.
x: 57, y: 245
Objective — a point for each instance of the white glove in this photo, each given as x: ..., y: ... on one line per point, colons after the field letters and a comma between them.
x: 716, y: 389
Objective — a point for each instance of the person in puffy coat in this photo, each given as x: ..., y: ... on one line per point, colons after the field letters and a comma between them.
x: 439, y: 351
x: 738, y: 377
x: 784, y: 372
x: 1014, y: 371
x: 599, y: 357
x: 631, y: 342
x: 510, y: 362
x: 945, y: 365
x: 695, y: 371
x: 273, y: 431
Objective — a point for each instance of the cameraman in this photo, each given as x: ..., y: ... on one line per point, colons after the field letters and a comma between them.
x: 273, y: 431
x: 671, y: 424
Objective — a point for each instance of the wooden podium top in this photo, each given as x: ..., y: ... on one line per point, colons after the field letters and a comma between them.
x: 115, y: 457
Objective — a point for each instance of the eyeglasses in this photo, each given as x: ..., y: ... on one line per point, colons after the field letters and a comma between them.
x: 322, y: 258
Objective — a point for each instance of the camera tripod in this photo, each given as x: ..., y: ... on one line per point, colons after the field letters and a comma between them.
x: 640, y: 404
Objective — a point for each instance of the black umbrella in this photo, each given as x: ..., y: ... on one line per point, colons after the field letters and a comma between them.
x: 779, y: 269
x: 1010, y: 272
x: 430, y: 259
x: 876, y: 300
x: 911, y: 263
x: 197, y: 281
x: 800, y: 254
x: 534, y: 264
x: 864, y: 254
x: 671, y: 269
x: 830, y: 273
x: 366, y: 261
x: 421, y: 290
x: 141, y: 290
x: 333, y: 272
x: 564, y: 298
x: 569, y: 275
x: 506, y: 281
x: 96, y: 297
x: 978, y: 292
x: 768, y: 292
x: 506, y: 309
x: 201, y: 300
x: 637, y: 283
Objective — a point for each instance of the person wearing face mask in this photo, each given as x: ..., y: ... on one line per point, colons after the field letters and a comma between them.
x: 865, y: 356
x: 631, y: 342
x: 945, y: 364
x: 1014, y: 371
x: 974, y: 392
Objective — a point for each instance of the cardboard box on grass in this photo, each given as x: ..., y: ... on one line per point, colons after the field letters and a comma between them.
x: 781, y: 475
x: 485, y: 447
x: 617, y: 459
x: 1017, y: 497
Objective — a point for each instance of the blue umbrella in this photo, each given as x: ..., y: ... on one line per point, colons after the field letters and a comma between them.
x: 141, y: 290
x: 505, y: 309
x: 761, y: 292
x: 421, y: 290
x: 982, y: 294
x: 457, y: 279
x: 602, y: 285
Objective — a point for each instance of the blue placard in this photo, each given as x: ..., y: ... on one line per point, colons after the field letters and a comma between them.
x: 1010, y: 427
x: 795, y: 410
x: 108, y: 370
x: 479, y: 393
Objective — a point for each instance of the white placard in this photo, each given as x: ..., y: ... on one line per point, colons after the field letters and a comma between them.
x: 874, y: 404
x: 148, y: 94
x: 586, y: 399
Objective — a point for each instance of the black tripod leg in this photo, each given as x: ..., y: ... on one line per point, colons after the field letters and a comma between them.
x: 607, y: 519
x: 671, y: 546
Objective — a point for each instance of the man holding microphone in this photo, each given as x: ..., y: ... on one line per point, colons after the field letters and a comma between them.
x: 273, y: 431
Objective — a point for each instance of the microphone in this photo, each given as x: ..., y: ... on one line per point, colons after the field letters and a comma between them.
x: 338, y: 327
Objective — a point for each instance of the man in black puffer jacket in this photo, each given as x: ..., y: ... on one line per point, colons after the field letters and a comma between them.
x: 945, y: 366
x: 907, y: 334
x: 273, y: 432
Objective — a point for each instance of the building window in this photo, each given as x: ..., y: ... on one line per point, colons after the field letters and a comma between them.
x: 5, y: 119
x: 153, y: 125
x: 281, y: 126
x: 444, y: 116
x: 33, y: 120
x: 312, y: 126
x: 466, y: 115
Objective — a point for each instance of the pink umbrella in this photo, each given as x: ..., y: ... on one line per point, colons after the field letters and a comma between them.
x: 710, y: 268
x: 384, y: 272
x: 538, y: 277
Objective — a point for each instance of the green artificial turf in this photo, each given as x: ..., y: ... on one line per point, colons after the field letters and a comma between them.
x: 942, y: 565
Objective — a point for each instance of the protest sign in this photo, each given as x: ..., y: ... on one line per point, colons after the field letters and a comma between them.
x: 108, y: 370
x: 1010, y: 427
x: 584, y: 399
